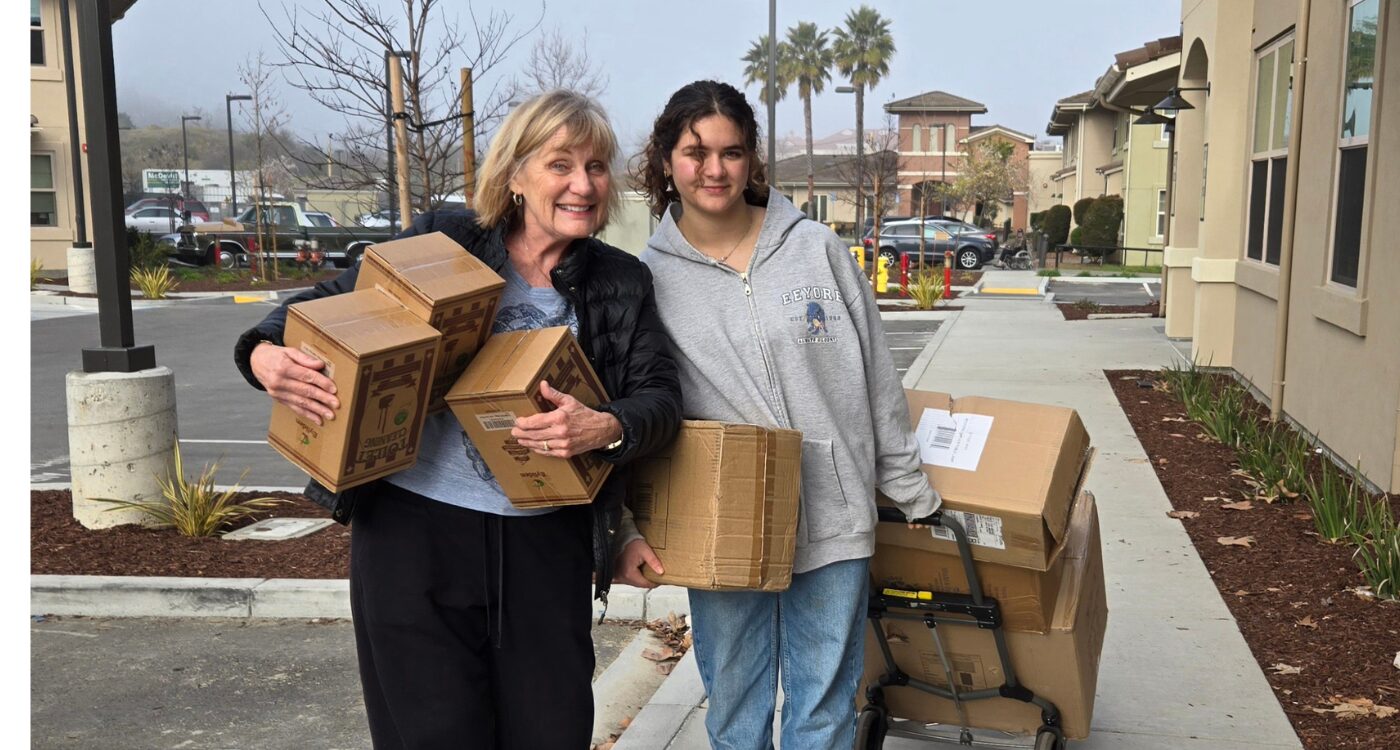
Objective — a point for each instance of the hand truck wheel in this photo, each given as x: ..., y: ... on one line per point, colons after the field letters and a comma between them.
x: 871, y: 727
x: 1046, y: 739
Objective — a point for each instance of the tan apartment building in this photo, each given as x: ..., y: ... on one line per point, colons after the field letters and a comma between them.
x: 932, y: 128
x: 1087, y: 133
x: 52, y: 210
x: 1283, y: 221
x: 834, y: 177
x: 1041, y: 167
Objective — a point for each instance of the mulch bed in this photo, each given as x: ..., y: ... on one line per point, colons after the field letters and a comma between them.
x: 60, y: 545
x: 246, y: 284
x: 1293, y: 596
x: 1082, y: 312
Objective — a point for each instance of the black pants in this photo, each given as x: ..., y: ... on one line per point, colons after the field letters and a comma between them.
x: 472, y: 629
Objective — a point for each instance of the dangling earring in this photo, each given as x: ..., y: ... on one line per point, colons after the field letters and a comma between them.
x: 517, y: 199
x: 670, y: 186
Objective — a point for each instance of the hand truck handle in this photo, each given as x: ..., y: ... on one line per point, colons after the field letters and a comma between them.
x: 895, y: 515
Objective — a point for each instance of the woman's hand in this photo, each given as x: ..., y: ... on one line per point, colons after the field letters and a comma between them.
x: 630, y: 561
x: 571, y: 429
x: 294, y: 379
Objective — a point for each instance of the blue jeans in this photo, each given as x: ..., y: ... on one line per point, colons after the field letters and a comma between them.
x: 809, y: 635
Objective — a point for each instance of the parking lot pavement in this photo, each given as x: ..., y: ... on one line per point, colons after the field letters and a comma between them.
x: 1105, y: 292
x: 906, y: 338
x: 207, y: 683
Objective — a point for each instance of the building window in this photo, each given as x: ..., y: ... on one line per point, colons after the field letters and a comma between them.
x: 1161, y: 214
x: 1354, y: 139
x: 952, y: 140
x: 918, y: 139
x: 821, y: 212
x: 1273, y: 101
x: 36, y: 34
x: 43, y: 200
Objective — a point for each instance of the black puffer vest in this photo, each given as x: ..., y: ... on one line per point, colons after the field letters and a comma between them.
x: 619, y: 331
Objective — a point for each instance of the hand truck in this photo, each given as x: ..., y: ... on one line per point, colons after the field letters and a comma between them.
x: 937, y: 610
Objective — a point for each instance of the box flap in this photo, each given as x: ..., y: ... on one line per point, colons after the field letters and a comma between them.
x: 434, y: 268
x: 364, y: 322
x: 498, y: 366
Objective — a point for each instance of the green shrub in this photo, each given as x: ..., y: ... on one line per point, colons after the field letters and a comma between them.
x: 1051, y: 272
x: 1273, y: 457
x: 195, y: 508
x: 1081, y: 209
x: 143, y: 251
x: 1378, y: 548
x: 36, y: 273
x: 1333, y: 502
x: 1076, y: 236
x: 1102, y: 220
x: 925, y: 288
x: 1056, y: 225
x: 1036, y: 218
x: 154, y: 283
x: 1087, y: 306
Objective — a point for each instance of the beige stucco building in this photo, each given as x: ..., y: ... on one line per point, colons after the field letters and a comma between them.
x: 1283, y: 213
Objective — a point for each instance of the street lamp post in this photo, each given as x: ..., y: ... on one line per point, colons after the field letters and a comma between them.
x: 389, y: 132
x: 185, y: 149
x: 860, y: 167
x: 229, y: 99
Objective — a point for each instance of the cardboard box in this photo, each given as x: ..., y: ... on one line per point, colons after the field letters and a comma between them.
x: 719, y: 506
x: 501, y: 384
x: 1007, y: 470
x: 447, y: 288
x: 913, y: 559
x: 380, y: 357
x: 1061, y: 665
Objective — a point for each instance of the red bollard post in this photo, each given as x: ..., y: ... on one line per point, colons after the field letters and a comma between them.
x: 904, y: 275
x: 948, y: 274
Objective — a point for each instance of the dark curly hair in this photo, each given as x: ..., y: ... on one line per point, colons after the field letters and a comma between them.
x: 692, y: 102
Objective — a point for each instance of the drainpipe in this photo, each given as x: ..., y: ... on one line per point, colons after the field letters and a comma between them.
x: 1290, y: 212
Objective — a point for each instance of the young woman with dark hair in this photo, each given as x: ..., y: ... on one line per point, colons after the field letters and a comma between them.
x: 774, y: 324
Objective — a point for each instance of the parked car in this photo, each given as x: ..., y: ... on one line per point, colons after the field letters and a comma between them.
x: 963, y: 228
x: 154, y: 219
x: 379, y: 220
x: 297, y: 238
x: 901, y: 238
x: 198, y: 211
x: 321, y: 219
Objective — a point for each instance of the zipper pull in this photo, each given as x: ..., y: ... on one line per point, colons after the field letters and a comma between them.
x: 748, y: 290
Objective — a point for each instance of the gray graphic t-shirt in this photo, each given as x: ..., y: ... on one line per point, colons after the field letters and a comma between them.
x: 449, y: 467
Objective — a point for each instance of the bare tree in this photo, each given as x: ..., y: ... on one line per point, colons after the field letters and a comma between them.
x: 556, y: 64
x: 336, y: 53
x: 881, y: 178
x: 263, y: 118
x: 990, y: 174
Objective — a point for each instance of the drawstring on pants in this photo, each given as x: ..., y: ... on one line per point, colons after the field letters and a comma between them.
x: 499, y: 624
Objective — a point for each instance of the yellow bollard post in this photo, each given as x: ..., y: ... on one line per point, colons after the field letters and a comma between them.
x: 858, y: 252
x: 882, y: 274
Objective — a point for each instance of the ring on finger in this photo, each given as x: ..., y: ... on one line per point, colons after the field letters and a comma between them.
x: 546, y: 445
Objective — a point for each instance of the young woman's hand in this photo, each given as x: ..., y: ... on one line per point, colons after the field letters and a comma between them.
x: 294, y: 379
x: 571, y: 429
x: 630, y: 561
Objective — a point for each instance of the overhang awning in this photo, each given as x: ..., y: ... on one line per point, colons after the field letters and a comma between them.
x: 1144, y: 85
x: 34, y: 124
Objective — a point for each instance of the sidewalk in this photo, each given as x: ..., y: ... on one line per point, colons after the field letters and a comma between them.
x: 1175, y: 671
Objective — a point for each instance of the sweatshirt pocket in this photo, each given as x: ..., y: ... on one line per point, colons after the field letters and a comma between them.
x: 825, y: 510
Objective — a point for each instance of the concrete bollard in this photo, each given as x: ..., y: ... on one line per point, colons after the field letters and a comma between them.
x: 121, y: 441
x: 82, y: 269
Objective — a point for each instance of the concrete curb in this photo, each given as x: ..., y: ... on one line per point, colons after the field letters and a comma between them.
x: 154, y: 596
x: 925, y: 358
x: 663, y: 716
x: 1104, y: 279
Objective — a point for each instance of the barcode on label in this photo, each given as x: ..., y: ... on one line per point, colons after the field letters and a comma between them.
x: 643, y: 501
x: 496, y: 420
x: 943, y: 437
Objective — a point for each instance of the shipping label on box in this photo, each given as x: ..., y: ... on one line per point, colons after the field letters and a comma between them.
x: 445, y: 286
x: 719, y: 506
x: 501, y: 384
x: 380, y: 358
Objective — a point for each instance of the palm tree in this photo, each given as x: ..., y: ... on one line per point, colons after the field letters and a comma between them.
x: 809, y: 66
x: 862, y: 53
x: 756, y: 69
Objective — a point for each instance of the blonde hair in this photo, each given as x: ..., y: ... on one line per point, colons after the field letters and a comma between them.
x: 526, y: 130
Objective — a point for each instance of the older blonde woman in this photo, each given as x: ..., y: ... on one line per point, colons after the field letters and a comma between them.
x: 472, y: 616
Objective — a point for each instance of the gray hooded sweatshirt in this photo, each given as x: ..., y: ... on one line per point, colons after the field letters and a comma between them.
x: 796, y: 342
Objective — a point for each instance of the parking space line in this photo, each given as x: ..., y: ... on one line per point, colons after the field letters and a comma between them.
x: 227, y: 442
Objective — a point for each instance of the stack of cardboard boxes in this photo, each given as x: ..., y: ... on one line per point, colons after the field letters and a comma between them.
x: 1011, y: 473
x: 414, y: 337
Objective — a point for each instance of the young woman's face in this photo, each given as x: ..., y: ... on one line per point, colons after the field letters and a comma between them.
x: 710, y: 171
x: 565, y: 189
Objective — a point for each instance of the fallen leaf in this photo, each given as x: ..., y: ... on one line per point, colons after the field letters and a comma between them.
x: 1173, y: 419
x: 1307, y: 622
x: 1242, y: 505
x: 1179, y: 514
x: 665, y: 667
x: 1236, y: 541
x: 661, y: 653
x: 1162, y: 461
x: 1282, y: 668
x: 1397, y: 660
x: 1303, y: 516
x: 1351, y: 708
x: 626, y: 722
x: 1363, y: 592
x: 1273, y: 589
x: 1241, y: 592
x: 1212, y: 499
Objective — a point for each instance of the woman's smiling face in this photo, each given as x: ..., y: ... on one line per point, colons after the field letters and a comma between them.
x: 565, y: 189
x: 710, y: 166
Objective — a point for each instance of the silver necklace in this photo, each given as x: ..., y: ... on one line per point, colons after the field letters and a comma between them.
x: 747, y: 228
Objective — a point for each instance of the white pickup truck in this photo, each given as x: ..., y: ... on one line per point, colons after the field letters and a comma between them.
x: 231, y: 243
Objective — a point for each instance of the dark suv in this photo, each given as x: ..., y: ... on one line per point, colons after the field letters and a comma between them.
x: 900, y: 238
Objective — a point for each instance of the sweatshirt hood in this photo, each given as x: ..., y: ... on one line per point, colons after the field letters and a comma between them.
x: 778, y: 222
